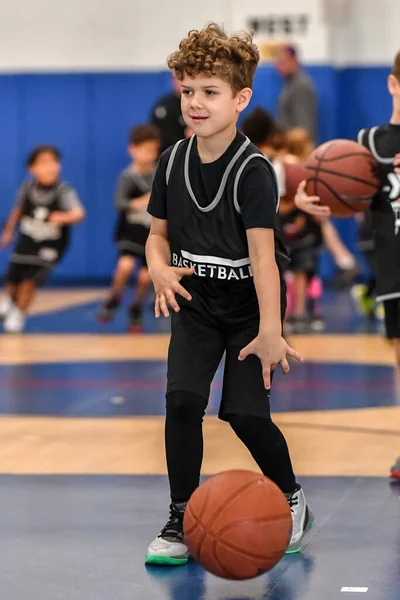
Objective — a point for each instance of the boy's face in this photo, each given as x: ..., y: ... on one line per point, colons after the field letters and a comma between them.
x: 209, y: 106
x: 46, y: 168
x: 146, y: 153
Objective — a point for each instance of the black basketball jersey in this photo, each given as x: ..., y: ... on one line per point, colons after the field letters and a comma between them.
x: 384, y: 144
x: 40, y: 242
x: 133, y: 226
x: 211, y: 238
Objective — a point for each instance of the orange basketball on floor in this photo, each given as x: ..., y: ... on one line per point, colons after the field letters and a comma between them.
x: 344, y: 175
x: 238, y: 525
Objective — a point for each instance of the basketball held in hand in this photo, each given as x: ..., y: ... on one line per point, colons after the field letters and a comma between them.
x: 344, y: 175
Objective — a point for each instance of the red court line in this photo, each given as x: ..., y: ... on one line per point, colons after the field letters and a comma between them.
x: 144, y: 384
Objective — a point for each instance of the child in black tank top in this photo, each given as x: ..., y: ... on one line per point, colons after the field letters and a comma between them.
x: 133, y: 225
x: 384, y: 143
x: 45, y: 210
x: 216, y: 258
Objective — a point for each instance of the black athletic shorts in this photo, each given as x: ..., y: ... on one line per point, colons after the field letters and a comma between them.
x: 392, y: 318
x: 305, y: 260
x: 131, y: 239
x: 17, y: 273
x: 370, y: 257
x: 127, y: 252
x: 198, y: 342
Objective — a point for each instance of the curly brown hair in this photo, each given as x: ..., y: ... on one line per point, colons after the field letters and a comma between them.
x: 214, y: 53
x: 396, y: 66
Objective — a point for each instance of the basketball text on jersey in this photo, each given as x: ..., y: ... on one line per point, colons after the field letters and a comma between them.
x: 214, y: 267
x: 216, y: 247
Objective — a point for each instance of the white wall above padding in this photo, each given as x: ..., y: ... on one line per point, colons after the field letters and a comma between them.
x: 97, y: 34
x: 112, y: 35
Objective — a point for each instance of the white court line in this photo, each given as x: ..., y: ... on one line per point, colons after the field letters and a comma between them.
x: 354, y: 589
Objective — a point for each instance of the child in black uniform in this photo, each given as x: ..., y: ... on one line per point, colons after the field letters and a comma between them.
x: 301, y: 233
x: 302, y: 236
x: 364, y: 293
x: 133, y: 226
x: 384, y: 143
x: 45, y: 210
x: 216, y: 259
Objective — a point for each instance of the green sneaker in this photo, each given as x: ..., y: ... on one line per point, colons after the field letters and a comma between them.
x: 169, y: 547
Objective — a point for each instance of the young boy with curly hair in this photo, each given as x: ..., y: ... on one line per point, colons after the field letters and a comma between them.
x: 215, y: 258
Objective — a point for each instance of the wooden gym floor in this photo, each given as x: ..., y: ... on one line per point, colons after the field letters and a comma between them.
x: 82, y: 468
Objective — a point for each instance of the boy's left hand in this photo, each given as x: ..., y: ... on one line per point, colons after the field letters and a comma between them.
x: 271, y: 352
x: 310, y: 204
x: 397, y: 163
x: 57, y: 218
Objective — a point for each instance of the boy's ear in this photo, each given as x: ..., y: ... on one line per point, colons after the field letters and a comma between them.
x: 393, y: 84
x: 244, y: 97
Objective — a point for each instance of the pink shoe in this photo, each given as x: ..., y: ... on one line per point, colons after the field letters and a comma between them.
x: 315, y: 289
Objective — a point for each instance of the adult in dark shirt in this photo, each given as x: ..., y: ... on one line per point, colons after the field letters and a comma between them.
x: 297, y: 103
x: 167, y: 116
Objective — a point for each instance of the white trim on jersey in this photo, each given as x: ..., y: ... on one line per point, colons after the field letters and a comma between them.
x: 215, y: 260
x: 225, y: 176
x: 280, y: 176
x: 224, y: 179
x: 372, y: 147
x: 240, y: 171
x: 360, y: 136
x: 388, y: 297
x: 171, y: 161
x: 25, y: 259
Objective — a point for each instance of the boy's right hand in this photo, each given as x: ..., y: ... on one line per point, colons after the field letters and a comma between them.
x: 6, y: 238
x: 166, y: 284
x: 310, y: 204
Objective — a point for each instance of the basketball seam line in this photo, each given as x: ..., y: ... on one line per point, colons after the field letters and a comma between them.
x: 334, y: 193
x: 318, y: 168
x: 221, y: 509
x: 235, y: 548
x: 367, y: 153
x: 342, y: 175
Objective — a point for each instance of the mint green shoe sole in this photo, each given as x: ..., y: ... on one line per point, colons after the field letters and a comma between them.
x: 308, y: 528
x: 154, y: 559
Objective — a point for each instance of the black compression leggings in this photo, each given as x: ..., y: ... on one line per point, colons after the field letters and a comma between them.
x: 184, y: 445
